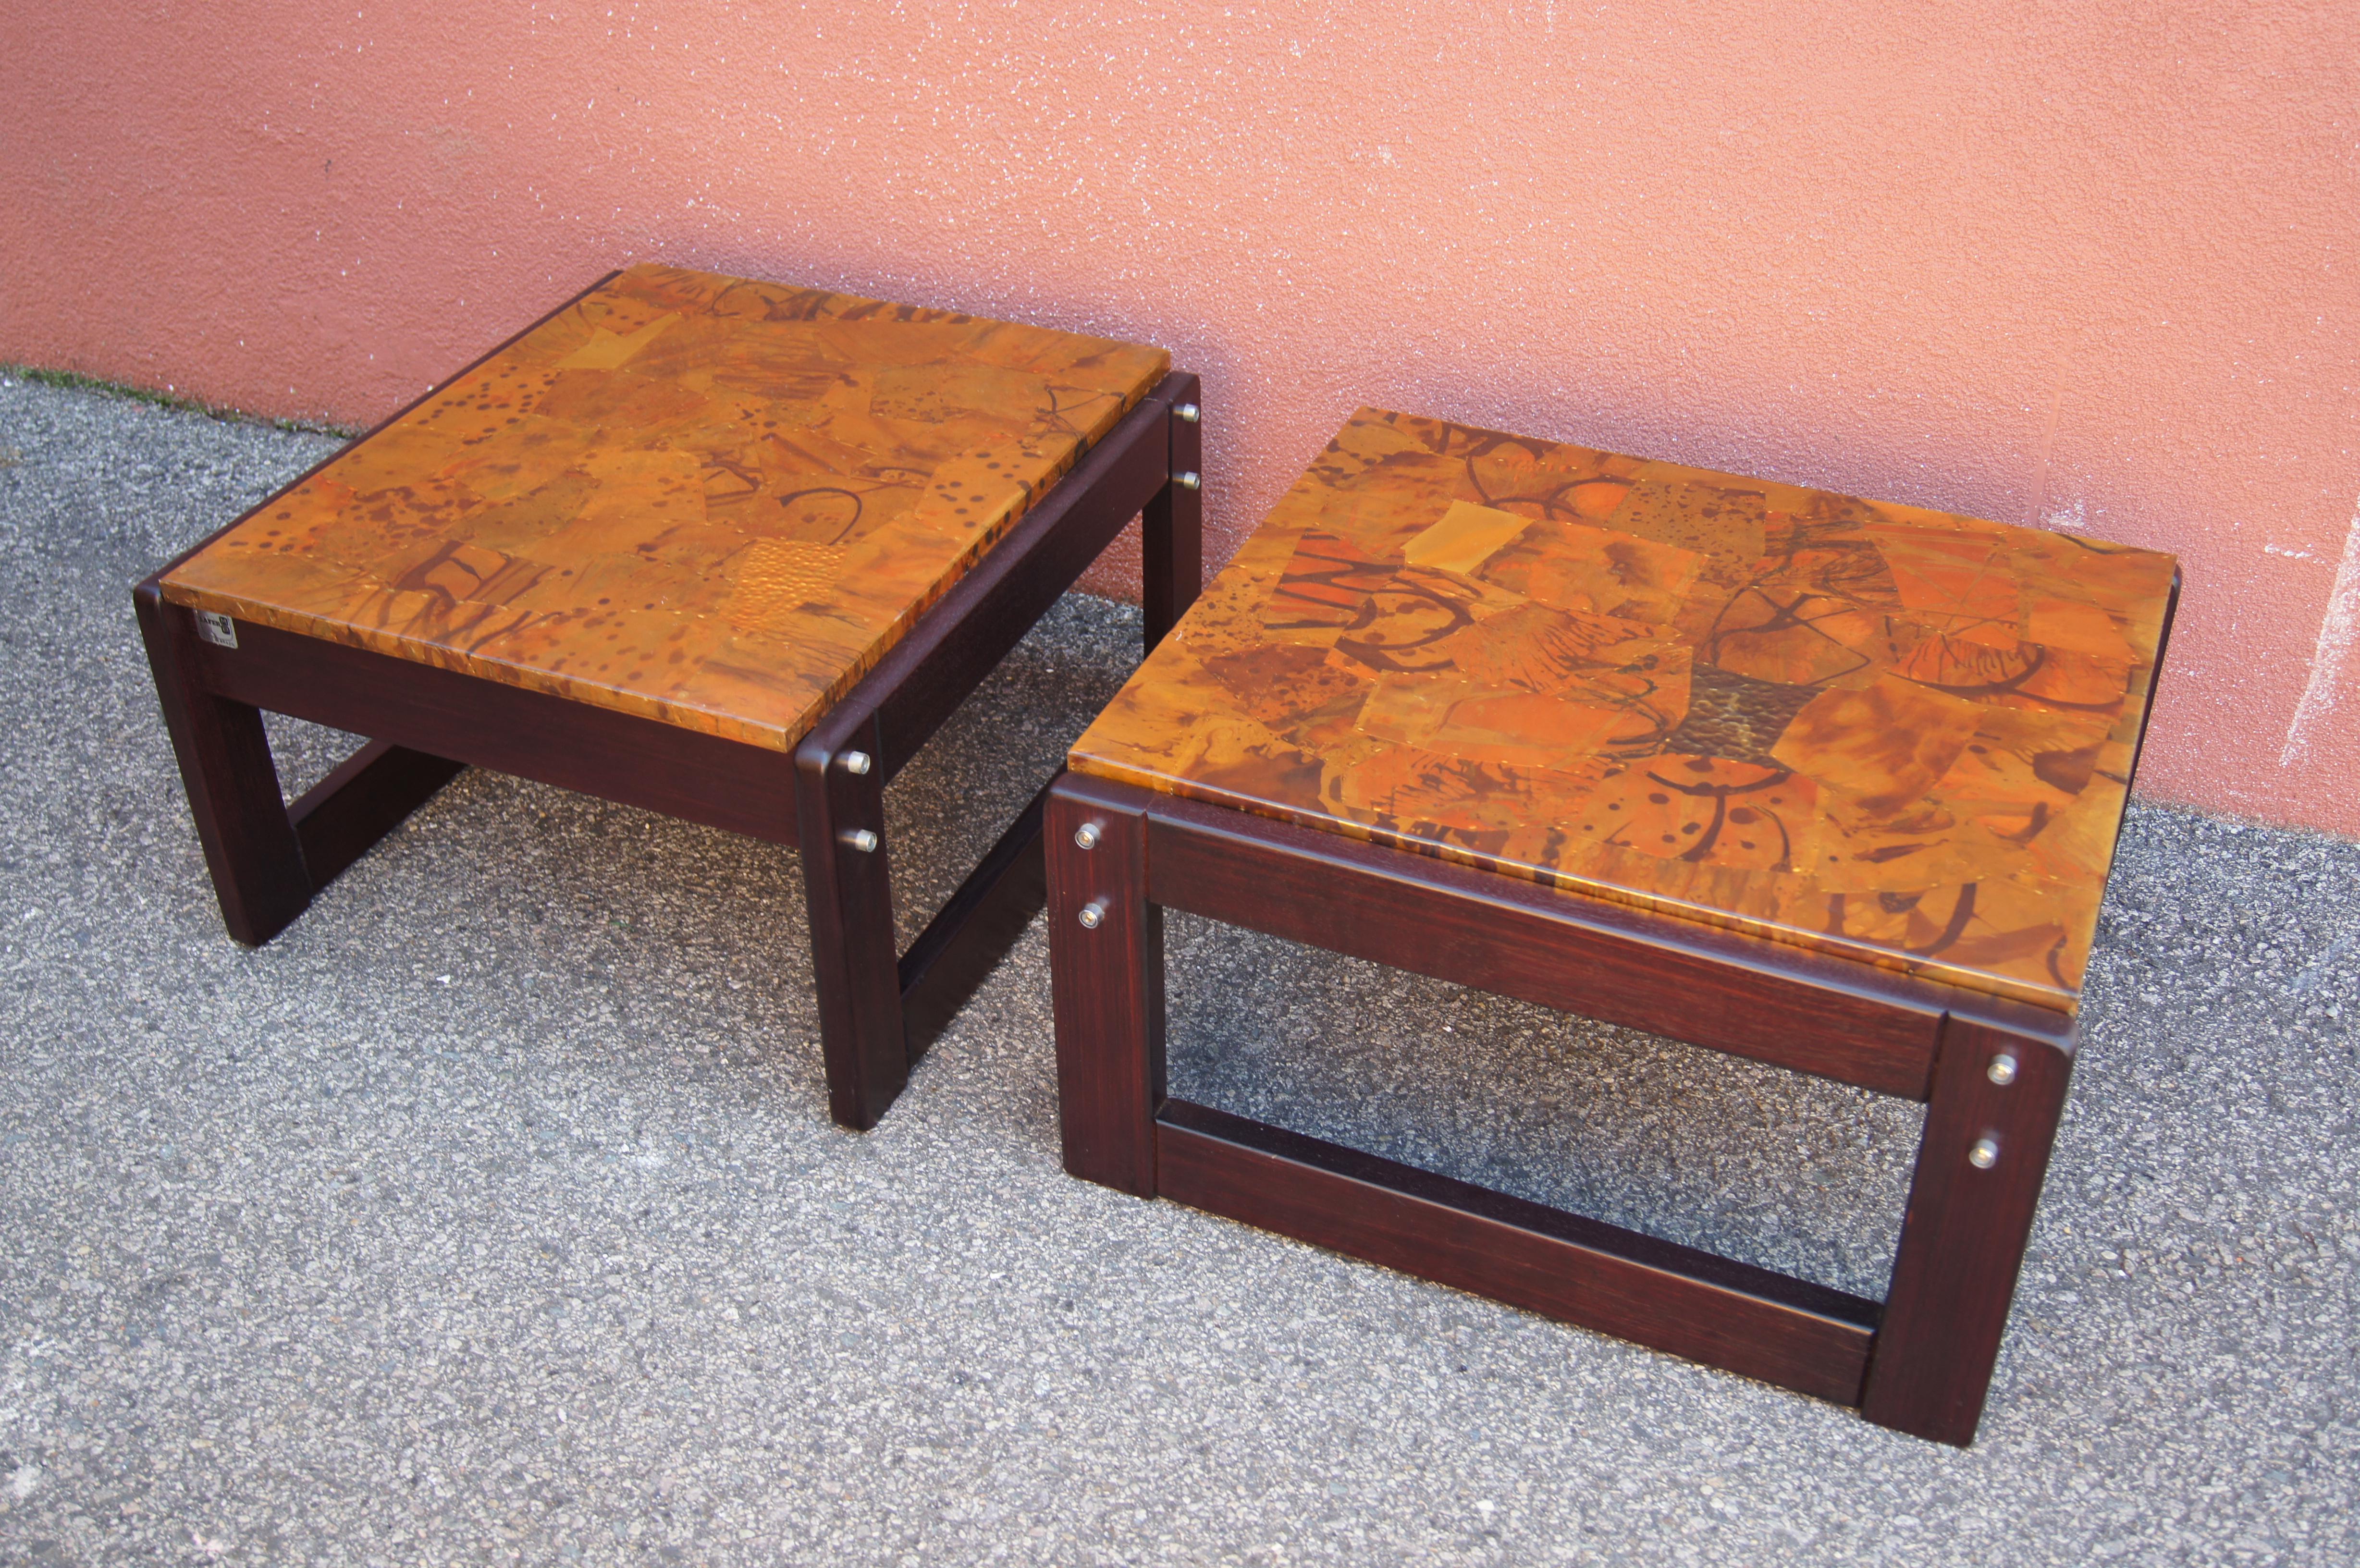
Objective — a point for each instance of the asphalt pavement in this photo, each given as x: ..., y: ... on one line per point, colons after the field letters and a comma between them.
x: 492, y: 1212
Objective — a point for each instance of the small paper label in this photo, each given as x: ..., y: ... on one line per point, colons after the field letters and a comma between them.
x: 218, y: 629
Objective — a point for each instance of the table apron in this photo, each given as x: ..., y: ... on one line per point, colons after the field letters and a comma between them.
x: 510, y: 729
x: 1745, y: 996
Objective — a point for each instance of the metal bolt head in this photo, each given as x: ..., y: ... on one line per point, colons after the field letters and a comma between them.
x: 1191, y: 480
x: 1086, y: 836
x: 1984, y: 1154
x: 1093, y: 914
x: 1187, y: 413
x: 2002, y: 1069
x: 856, y: 762
x: 862, y: 840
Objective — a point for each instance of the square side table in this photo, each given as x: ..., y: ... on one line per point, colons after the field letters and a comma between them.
x: 1824, y: 782
x: 725, y: 549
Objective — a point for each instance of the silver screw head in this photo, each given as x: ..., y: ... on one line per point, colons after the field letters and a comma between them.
x: 1086, y: 836
x: 2002, y: 1069
x: 1192, y: 480
x: 1187, y: 413
x: 862, y: 840
x: 1984, y: 1154
x: 1093, y: 914
x: 856, y: 762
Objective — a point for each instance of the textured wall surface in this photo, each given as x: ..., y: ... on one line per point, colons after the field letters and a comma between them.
x: 2090, y: 266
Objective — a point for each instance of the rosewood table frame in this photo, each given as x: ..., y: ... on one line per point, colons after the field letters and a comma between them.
x: 878, y: 1011
x: 1992, y: 1073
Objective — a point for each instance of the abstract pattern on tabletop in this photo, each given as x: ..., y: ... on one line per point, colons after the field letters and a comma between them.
x: 1897, y: 735
x: 707, y: 501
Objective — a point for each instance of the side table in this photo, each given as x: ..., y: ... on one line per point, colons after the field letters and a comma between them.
x: 726, y: 549
x: 1821, y: 782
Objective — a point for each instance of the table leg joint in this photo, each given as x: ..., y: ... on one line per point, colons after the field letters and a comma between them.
x: 249, y: 842
x: 1998, y: 1096
x: 1172, y: 525
x: 847, y: 887
x: 1106, y: 961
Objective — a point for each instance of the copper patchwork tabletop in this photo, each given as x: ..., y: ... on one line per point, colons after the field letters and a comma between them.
x: 703, y: 500
x: 1900, y: 735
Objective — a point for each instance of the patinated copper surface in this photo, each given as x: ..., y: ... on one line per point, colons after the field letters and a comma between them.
x: 705, y: 500
x: 1896, y: 734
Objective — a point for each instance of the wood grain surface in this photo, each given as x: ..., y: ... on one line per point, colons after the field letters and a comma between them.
x: 1893, y: 735
x: 704, y: 500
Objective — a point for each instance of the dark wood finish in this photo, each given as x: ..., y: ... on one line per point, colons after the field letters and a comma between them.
x: 849, y: 893
x: 1106, y: 989
x: 1962, y: 1239
x: 1624, y: 965
x: 510, y: 729
x: 232, y: 785
x: 973, y: 930
x: 892, y: 714
x: 1172, y: 529
x: 364, y: 799
x: 1921, y: 1362
x: 878, y: 1013
x: 1655, y: 1292
x: 924, y: 678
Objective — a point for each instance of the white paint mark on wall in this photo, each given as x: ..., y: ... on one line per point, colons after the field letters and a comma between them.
x: 2072, y: 517
x: 2048, y: 445
x: 2338, y: 631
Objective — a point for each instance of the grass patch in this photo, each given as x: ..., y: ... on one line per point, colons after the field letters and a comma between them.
x: 76, y: 382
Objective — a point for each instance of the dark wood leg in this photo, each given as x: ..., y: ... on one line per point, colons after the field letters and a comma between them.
x: 841, y: 817
x: 973, y: 930
x: 250, y: 845
x: 879, y: 1014
x: 1172, y: 527
x: 368, y: 796
x: 1997, y: 1098
x: 1106, y: 955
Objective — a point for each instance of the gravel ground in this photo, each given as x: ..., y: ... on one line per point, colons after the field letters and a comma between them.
x: 492, y: 1212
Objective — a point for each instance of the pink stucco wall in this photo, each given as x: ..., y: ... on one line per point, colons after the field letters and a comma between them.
x: 2088, y: 264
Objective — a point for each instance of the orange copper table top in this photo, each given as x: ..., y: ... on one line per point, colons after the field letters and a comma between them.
x: 704, y: 500
x: 1898, y: 736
